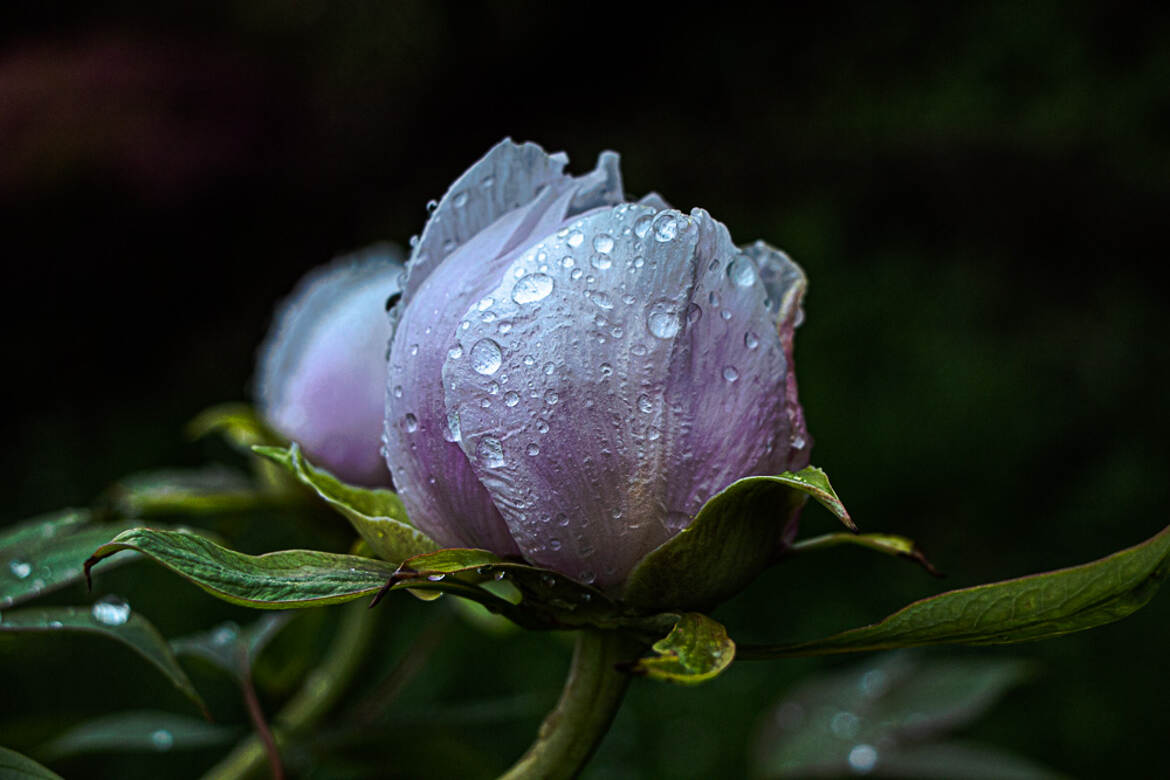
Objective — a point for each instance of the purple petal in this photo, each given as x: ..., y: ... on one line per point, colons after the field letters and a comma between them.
x: 508, y: 177
x: 441, y: 493
x: 621, y: 398
x: 322, y: 368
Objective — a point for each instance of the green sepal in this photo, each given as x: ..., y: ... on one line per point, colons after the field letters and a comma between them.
x: 135, y: 631
x: 696, y: 650
x: 734, y: 537
x: 1040, y: 606
x: 529, y: 596
x: 377, y: 515
x: 278, y: 580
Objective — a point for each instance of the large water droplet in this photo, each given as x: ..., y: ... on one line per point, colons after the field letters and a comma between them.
x: 20, y: 569
x: 411, y: 423
x: 642, y: 225
x: 662, y: 320
x: 110, y: 611
x: 665, y: 228
x: 742, y: 271
x: 603, y: 243
x: 532, y: 288
x: 576, y: 238
x: 491, y: 451
x: 486, y: 356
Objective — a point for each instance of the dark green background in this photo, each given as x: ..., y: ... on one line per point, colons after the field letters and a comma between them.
x: 979, y: 198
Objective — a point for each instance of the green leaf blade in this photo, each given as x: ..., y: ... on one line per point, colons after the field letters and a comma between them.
x: 377, y: 515
x: 142, y: 731
x: 135, y: 632
x: 47, y: 554
x: 19, y: 767
x: 279, y: 580
x: 1040, y: 606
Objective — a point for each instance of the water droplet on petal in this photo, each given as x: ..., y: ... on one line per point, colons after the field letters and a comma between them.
x: 576, y: 238
x: 532, y: 288
x: 486, y: 357
x: 454, y: 353
x: 460, y: 199
x: 665, y: 228
x: 603, y: 243
x: 110, y: 611
x: 551, y: 398
x: 411, y: 423
x: 662, y: 320
x: 491, y: 451
x: 432, y: 204
x: 511, y: 398
x: 742, y: 271
x: 730, y: 373
x: 533, y: 449
x: 751, y: 340
x: 554, y: 544
x: 644, y: 404
x: 20, y: 569
x: 642, y: 225
x: 541, y: 426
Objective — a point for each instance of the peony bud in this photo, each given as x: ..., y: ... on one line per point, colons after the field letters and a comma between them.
x: 321, y: 374
x: 572, y: 376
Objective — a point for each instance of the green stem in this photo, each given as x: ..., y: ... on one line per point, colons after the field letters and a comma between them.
x: 320, y: 692
x: 591, y: 697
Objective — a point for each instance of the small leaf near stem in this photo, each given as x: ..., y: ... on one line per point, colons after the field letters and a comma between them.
x: 591, y: 697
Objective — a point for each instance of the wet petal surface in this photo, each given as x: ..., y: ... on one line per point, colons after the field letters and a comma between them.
x: 625, y: 389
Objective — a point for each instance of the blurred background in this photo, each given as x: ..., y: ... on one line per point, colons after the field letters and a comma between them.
x: 979, y: 198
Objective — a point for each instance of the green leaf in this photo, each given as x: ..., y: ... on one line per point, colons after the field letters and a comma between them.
x: 230, y: 648
x: 210, y: 490
x: 735, y: 536
x: 238, y: 423
x: 143, y: 731
x: 377, y: 515
x: 278, y: 580
x: 17, y: 767
x: 889, y: 544
x: 880, y: 718
x: 131, y: 629
x: 46, y: 554
x: 694, y: 651
x: 1040, y: 606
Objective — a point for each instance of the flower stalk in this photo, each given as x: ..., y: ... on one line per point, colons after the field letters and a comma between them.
x: 593, y: 692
